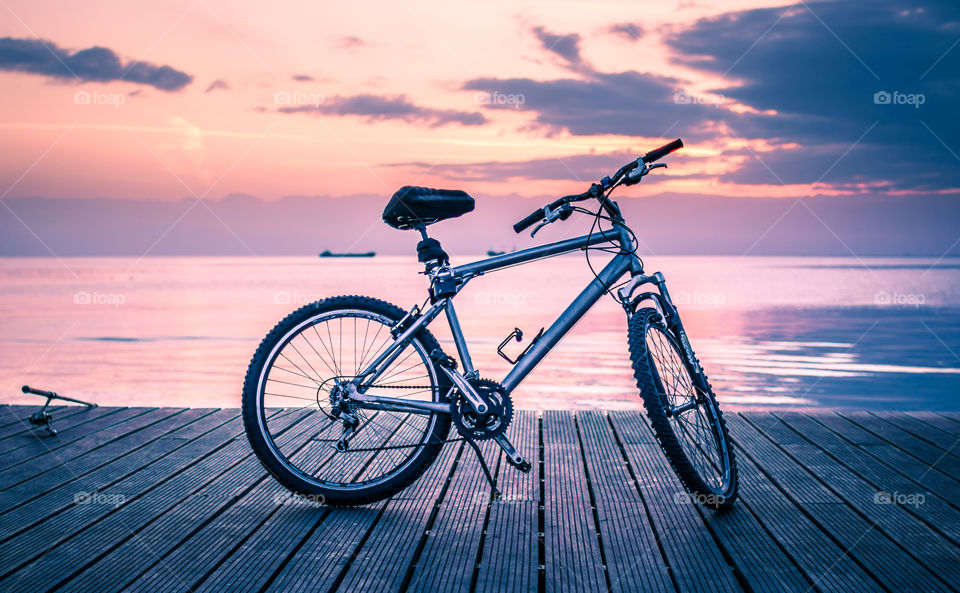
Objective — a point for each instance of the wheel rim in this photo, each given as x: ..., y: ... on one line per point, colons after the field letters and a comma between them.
x: 696, y: 426
x: 300, y: 372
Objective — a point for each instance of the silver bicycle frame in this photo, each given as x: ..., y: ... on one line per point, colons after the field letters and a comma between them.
x: 623, y: 262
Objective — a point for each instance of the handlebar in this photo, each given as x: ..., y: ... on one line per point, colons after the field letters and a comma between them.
x: 596, y: 190
x: 531, y: 219
x: 659, y: 153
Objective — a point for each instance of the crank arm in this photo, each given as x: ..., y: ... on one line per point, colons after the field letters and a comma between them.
x: 376, y: 402
x: 476, y: 402
x: 513, y: 457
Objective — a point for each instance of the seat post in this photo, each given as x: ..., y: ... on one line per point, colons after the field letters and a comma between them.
x: 429, y: 251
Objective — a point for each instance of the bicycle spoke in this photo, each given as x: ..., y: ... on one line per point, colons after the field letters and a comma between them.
x: 695, y: 429
x: 385, y: 440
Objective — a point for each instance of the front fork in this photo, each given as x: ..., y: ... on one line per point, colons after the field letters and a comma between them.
x: 671, y: 317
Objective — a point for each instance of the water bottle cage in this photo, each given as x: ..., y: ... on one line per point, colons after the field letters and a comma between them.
x: 518, y: 335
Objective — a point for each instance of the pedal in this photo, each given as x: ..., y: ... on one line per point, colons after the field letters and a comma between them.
x: 523, y: 466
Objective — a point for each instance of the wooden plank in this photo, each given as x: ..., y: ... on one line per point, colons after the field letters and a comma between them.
x: 878, y: 538
x: 451, y: 546
x: 200, y: 514
x: 256, y: 559
x: 215, y: 520
x: 30, y: 446
x: 62, y: 456
x: 316, y: 562
x: 632, y: 553
x: 824, y: 563
x: 572, y: 549
x: 936, y: 510
x: 758, y: 558
x: 918, y: 524
x: 931, y: 454
x: 11, y: 414
x: 509, y: 560
x: 931, y: 434
x: 86, y: 460
x: 174, y: 471
x: 691, y: 553
x: 940, y: 421
x: 383, y: 554
x: 892, y: 456
x: 39, y: 499
x: 74, y: 551
x: 73, y: 417
x: 13, y: 425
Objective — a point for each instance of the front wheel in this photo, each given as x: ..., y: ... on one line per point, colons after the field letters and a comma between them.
x: 683, y: 412
x: 298, y: 433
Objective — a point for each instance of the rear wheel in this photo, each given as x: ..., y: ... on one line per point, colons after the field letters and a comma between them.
x: 683, y: 412
x: 296, y: 370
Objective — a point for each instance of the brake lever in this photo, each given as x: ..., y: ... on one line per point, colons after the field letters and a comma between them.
x: 549, y: 215
x: 633, y: 177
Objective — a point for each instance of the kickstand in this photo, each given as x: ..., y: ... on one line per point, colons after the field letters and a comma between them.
x: 486, y: 470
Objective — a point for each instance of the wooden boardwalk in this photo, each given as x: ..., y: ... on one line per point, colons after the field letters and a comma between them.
x: 162, y: 499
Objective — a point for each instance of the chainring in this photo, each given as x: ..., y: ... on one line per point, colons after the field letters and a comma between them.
x: 482, y: 427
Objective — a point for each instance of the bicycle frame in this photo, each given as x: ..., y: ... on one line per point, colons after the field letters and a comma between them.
x: 623, y: 262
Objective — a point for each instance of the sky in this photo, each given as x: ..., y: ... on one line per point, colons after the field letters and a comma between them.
x: 190, y: 102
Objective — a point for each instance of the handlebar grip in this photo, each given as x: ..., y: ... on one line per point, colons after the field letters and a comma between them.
x: 663, y: 151
x: 28, y: 389
x: 532, y: 219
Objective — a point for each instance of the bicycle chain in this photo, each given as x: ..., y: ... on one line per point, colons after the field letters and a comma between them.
x: 367, y: 449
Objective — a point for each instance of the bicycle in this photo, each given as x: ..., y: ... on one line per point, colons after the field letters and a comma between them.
x: 378, y: 412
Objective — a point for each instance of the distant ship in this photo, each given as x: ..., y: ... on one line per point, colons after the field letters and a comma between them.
x: 329, y: 253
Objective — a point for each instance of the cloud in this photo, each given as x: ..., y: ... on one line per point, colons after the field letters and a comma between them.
x: 379, y: 108
x: 302, y: 78
x: 566, y: 46
x: 218, y: 84
x: 818, y: 67
x: 628, y: 31
x: 94, y: 64
x: 623, y: 103
x: 584, y: 168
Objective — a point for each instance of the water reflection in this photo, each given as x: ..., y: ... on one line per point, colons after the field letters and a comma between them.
x: 185, y: 328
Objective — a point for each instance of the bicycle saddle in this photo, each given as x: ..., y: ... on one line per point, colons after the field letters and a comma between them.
x: 413, y: 206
